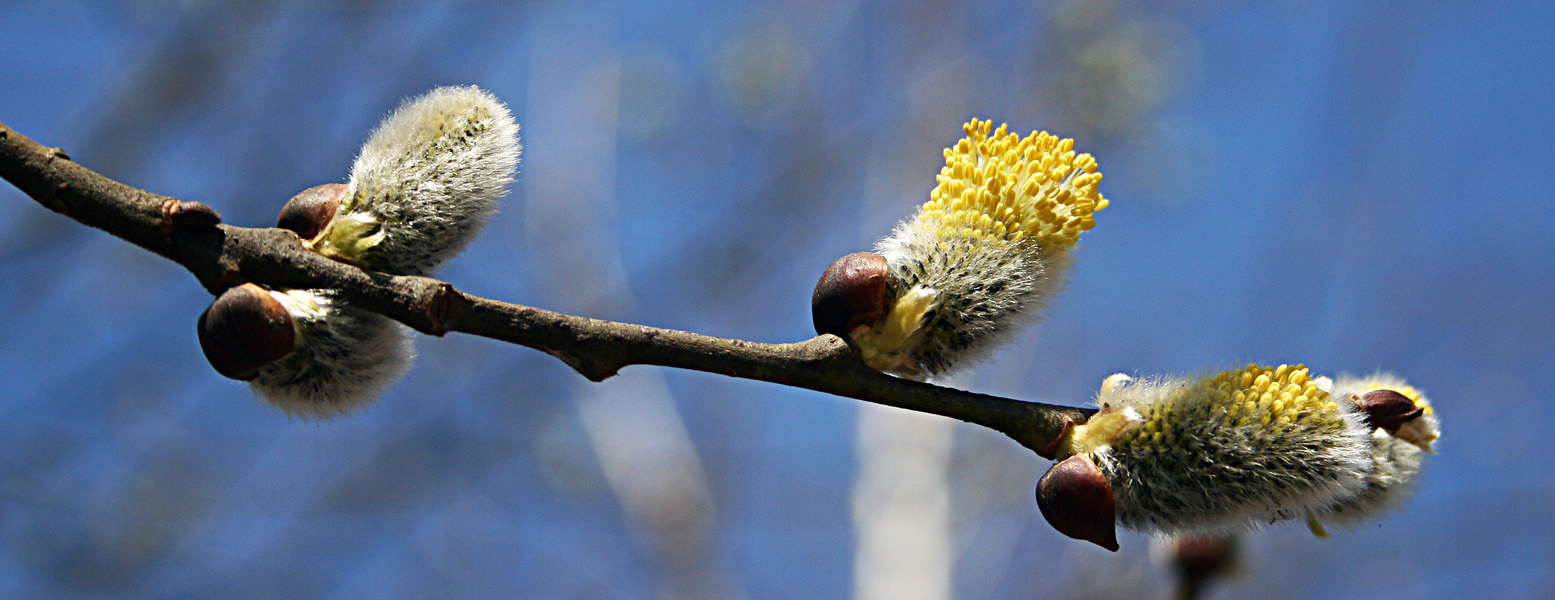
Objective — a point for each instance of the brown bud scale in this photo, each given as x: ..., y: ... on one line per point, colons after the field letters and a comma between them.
x: 1387, y: 410
x: 307, y: 213
x: 851, y: 292
x: 244, y: 329
x: 1076, y: 500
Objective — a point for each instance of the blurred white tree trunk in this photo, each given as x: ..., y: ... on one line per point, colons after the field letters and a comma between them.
x: 901, y: 506
x: 632, y: 423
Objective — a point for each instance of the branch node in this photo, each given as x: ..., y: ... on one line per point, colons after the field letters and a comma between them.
x: 230, y: 274
x: 56, y: 201
x: 587, y: 368
x: 1050, y: 450
x: 57, y: 152
x: 833, y: 350
x: 178, y: 213
x: 437, y: 307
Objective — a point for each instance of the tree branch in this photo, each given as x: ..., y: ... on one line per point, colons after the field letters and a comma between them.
x: 220, y: 256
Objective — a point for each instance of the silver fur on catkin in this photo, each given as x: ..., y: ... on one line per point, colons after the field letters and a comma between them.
x: 344, y: 359
x: 420, y: 191
x: 425, y: 182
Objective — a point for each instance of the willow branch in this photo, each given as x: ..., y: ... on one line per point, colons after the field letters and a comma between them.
x: 220, y: 256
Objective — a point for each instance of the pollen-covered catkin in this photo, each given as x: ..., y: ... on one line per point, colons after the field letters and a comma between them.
x: 425, y: 182
x: 989, y: 247
x: 1217, y: 454
x: 1396, y: 455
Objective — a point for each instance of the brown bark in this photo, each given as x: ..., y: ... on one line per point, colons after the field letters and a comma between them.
x: 221, y: 256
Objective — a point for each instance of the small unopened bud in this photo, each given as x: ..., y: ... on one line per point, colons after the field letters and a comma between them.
x: 181, y: 213
x: 1198, y: 560
x: 1202, y: 557
x: 245, y: 329
x: 307, y: 213
x: 850, y: 293
x: 1076, y: 500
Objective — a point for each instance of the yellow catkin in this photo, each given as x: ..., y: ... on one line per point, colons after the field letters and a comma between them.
x: 1284, y: 395
x: 1001, y: 185
x: 1259, y: 396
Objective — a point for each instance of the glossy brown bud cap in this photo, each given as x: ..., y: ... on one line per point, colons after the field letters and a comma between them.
x: 851, y: 292
x: 307, y: 213
x: 1077, y: 501
x: 244, y: 329
x: 1388, y: 410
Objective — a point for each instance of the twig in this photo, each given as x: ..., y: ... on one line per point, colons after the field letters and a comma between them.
x: 220, y: 256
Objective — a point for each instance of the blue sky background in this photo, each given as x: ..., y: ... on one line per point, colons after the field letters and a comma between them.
x: 1356, y: 186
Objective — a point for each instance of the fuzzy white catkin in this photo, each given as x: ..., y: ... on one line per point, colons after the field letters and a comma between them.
x: 345, y: 357
x: 1225, y: 453
x: 1396, y: 462
x: 425, y: 182
x: 420, y: 191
